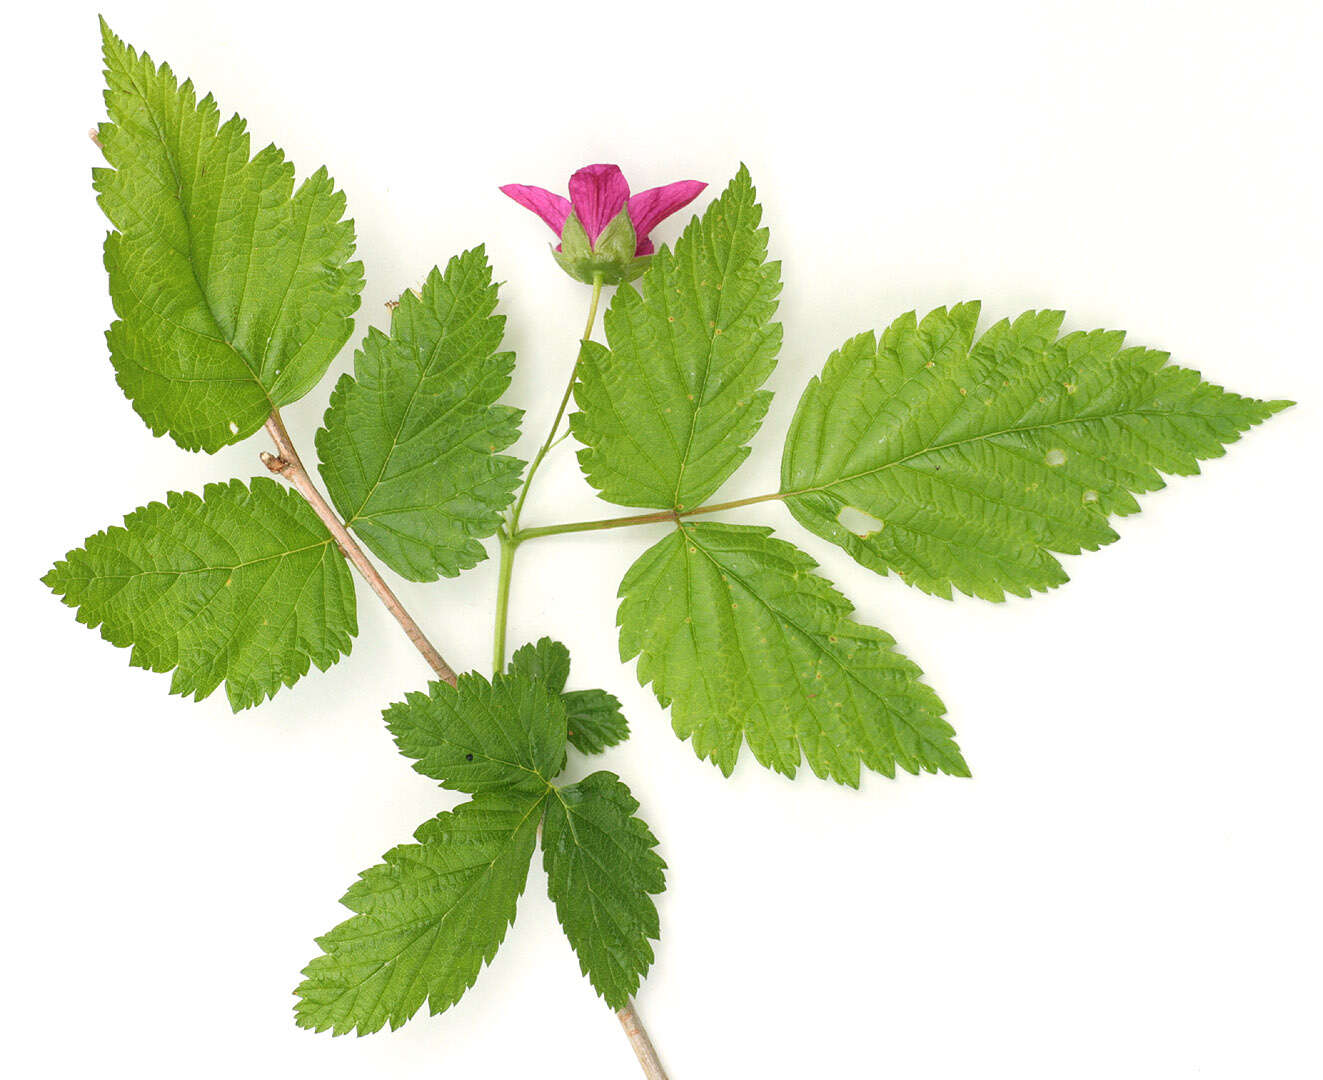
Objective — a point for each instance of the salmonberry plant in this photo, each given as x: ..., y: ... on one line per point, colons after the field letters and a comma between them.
x: 958, y: 460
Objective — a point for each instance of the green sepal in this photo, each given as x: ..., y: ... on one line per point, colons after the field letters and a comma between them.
x: 574, y: 242
x: 612, y: 259
x: 617, y: 241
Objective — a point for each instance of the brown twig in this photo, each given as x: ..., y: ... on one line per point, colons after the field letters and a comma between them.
x: 286, y: 462
x: 638, y: 1039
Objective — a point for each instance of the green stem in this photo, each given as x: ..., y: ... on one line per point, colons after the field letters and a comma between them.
x: 560, y: 412
x: 510, y: 536
x: 642, y: 519
x: 502, y: 602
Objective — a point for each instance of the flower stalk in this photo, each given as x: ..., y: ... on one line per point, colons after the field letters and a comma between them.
x: 509, y: 536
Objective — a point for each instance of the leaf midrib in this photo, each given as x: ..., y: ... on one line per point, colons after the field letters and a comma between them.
x: 897, y: 754
x: 205, y: 569
x: 425, y: 371
x: 1021, y: 430
x: 432, y: 922
x: 711, y: 350
x: 185, y: 217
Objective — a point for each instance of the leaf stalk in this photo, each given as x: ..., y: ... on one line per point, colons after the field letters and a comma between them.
x: 643, y: 519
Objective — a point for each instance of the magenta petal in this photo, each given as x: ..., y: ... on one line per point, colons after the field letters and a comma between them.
x: 550, y: 207
x: 599, y: 193
x: 649, y: 208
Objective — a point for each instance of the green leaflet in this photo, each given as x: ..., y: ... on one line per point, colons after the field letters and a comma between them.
x: 482, y: 736
x: 593, y: 717
x: 426, y: 919
x: 593, y: 720
x: 435, y: 911
x: 233, y: 291
x: 666, y: 412
x: 546, y: 661
x: 242, y: 585
x: 410, y: 445
x: 602, y: 873
x: 967, y: 464
x: 745, y: 642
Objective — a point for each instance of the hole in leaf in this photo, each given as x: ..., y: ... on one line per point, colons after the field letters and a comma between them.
x: 859, y: 522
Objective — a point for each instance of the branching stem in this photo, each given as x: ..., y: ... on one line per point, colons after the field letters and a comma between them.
x: 560, y: 412
x: 286, y: 462
x: 511, y: 537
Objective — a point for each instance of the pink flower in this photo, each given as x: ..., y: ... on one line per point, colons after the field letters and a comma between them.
x: 599, y: 197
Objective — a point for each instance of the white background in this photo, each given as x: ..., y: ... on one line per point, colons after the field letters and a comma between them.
x: 1129, y: 884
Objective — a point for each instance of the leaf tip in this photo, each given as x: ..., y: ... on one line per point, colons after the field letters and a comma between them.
x: 956, y: 765
x: 51, y: 578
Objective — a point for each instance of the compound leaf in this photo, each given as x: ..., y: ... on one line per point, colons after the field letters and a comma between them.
x: 593, y: 717
x: 242, y: 585
x: 745, y: 642
x: 602, y: 873
x: 233, y: 291
x: 409, y: 450
x: 426, y: 919
x: 966, y: 464
x: 483, y: 736
x: 667, y: 410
